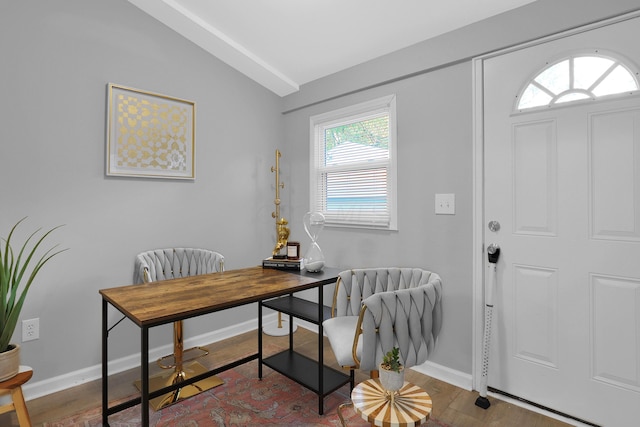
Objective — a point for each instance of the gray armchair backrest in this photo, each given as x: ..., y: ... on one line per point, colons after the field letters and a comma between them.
x: 355, y: 285
x: 410, y: 319
x: 162, y: 264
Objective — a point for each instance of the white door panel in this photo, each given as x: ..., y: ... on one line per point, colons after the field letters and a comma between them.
x: 564, y: 183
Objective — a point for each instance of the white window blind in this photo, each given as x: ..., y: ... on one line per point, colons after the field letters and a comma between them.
x: 353, y: 165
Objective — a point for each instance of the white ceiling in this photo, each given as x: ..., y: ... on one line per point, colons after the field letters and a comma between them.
x: 283, y: 44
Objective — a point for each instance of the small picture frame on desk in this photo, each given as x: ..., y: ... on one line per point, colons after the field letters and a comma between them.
x: 293, y: 250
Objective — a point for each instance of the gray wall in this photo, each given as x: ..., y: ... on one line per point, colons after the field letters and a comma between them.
x: 57, y: 58
x: 434, y: 156
x: 433, y: 84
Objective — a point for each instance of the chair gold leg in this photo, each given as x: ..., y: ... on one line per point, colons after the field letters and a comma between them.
x: 178, y: 343
x: 174, y: 377
x: 339, y: 410
x: 180, y: 373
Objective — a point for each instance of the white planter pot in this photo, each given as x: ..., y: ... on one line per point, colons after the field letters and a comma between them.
x: 10, y: 362
x: 391, y: 380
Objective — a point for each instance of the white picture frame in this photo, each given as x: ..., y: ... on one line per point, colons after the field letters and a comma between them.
x: 149, y: 135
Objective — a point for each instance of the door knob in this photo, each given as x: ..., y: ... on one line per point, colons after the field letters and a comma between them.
x: 493, y: 252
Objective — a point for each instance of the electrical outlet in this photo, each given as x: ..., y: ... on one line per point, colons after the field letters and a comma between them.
x: 30, y: 329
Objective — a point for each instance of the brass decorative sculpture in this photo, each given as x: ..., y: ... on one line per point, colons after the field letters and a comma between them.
x: 282, y: 233
x: 281, y: 224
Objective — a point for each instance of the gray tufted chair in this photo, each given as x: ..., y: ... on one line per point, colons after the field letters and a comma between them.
x: 379, y: 308
x: 162, y: 264
x: 172, y: 263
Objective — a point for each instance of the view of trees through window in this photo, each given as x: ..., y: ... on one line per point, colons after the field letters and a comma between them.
x: 373, y: 132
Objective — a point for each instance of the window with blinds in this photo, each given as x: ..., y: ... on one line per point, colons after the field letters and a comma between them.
x: 353, y: 165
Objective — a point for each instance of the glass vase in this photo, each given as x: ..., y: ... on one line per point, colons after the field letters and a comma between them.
x: 313, y: 225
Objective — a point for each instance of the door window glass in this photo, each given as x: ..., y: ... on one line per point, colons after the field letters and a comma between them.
x: 578, y: 78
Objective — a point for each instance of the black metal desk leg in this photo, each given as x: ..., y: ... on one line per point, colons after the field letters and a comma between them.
x: 144, y: 365
x: 260, y: 340
x: 290, y: 330
x: 105, y: 363
x: 320, y: 350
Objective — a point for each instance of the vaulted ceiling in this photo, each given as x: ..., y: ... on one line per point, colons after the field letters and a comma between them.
x: 283, y: 44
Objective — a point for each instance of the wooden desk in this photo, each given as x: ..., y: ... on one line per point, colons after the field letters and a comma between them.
x: 157, y: 303
x: 412, y: 406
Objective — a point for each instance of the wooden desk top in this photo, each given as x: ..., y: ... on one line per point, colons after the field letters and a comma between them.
x: 412, y: 406
x: 156, y: 303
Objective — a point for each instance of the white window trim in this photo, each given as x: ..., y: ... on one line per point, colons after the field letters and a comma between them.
x: 335, y: 117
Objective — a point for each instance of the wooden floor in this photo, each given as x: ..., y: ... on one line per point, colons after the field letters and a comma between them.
x: 451, y: 404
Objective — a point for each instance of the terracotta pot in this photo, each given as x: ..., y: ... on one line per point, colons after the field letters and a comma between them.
x: 10, y: 362
x: 391, y: 380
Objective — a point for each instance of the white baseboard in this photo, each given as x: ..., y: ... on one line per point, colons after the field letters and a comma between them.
x: 92, y: 373
x: 81, y: 376
x: 442, y: 373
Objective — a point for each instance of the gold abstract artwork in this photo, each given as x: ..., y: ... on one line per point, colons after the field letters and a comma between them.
x: 149, y: 134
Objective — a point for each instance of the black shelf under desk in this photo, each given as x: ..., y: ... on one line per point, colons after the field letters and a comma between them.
x: 304, y: 370
x: 299, y: 308
x: 312, y: 374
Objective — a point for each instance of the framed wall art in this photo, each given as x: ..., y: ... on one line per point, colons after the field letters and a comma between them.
x: 149, y: 135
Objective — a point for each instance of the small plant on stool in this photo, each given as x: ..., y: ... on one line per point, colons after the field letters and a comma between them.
x: 392, y: 372
x: 391, y: 360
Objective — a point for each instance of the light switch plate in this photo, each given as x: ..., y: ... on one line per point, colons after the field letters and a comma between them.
x: 445, y: 204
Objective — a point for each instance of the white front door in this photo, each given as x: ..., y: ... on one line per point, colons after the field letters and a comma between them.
x: 564, y: 184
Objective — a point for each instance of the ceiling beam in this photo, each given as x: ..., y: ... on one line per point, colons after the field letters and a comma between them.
x: 218, y: 44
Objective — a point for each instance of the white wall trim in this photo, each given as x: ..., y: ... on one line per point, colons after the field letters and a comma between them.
x: 477, y: 263
x: 92, y: 373
x: 81, y: 376
x: 183, y: 21
x: 442, y: 373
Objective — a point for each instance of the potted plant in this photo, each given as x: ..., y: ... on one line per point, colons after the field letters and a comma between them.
x: 15, y: 281
x: 392, y: 371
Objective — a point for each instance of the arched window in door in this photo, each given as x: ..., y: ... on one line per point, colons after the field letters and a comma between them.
x: 578, y: 78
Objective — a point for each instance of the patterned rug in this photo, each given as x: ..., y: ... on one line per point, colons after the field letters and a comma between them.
x: 242, y: 400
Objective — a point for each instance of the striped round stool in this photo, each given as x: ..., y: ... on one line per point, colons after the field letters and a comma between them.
x: 13, y: 386
x: 411, y: 405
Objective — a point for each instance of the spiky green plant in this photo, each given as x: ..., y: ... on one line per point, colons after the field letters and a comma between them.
x: 391, y: 360
x: 13, y: 290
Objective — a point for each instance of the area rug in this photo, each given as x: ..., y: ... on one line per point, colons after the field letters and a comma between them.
x: 242, y: 400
